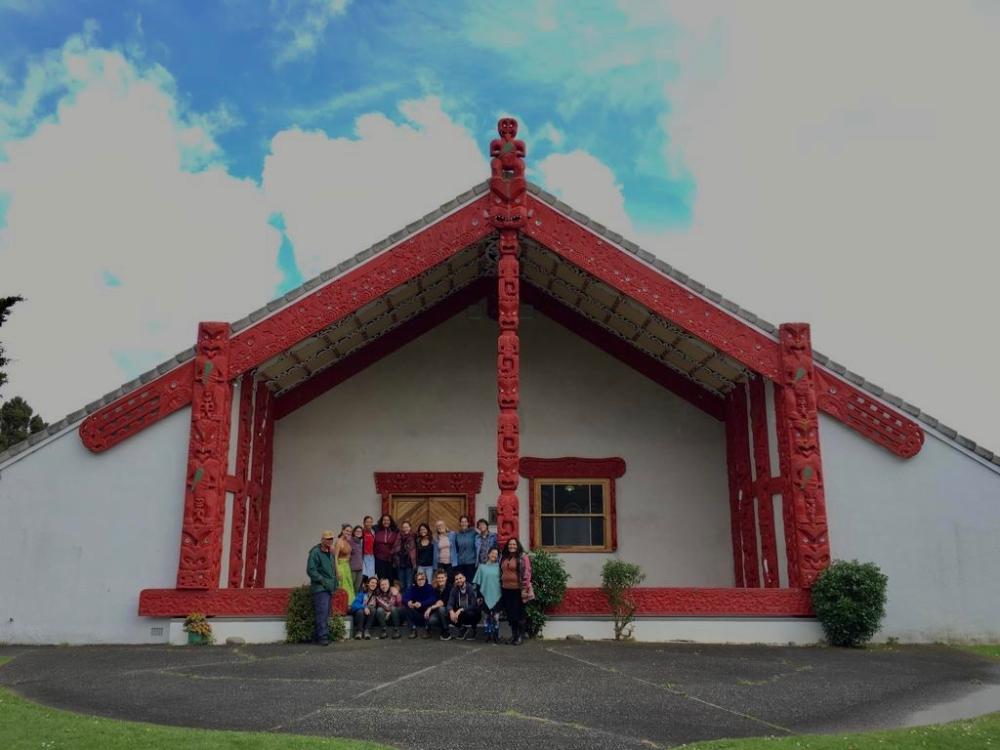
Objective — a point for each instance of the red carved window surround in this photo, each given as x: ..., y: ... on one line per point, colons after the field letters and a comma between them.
x: 468, y: 483
x: 571, y: 467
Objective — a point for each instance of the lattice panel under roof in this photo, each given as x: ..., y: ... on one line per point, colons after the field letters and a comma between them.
x: 375, y: 319
x: 627, y: 319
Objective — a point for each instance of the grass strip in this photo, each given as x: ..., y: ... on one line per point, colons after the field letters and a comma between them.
x: 990, y: 650
x: 971, y: 734
x: 24, y: 724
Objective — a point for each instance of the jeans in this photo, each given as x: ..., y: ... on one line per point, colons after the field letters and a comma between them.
x: 427, y: 570
x: 467, y: 618
x: 405, y: 578
x: 321, y: 608
x: 368, y: 565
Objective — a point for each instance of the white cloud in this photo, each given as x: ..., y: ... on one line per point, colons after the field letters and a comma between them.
x: 339, y: 195
x: 102, y: 189
x: 846, y: 157
x: 301, y: 25
x: 589, y: 185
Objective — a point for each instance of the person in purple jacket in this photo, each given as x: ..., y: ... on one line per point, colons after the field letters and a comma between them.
x: 416, y: 599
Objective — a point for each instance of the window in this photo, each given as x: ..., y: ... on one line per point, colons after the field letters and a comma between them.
x: 573, y: 514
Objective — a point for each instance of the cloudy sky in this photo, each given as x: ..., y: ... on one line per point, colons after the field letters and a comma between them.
x: 164, y: 163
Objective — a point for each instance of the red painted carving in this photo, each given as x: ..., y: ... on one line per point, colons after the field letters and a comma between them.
x: 381, y: 347
x: 208, y: 457
x: 263, y: 432
x: 735, y: 496
x: 573, y: 467
x: 508, y: 211
x: 244, y: 435
x: 787, y: 501
x: 131, y: 413
x: 864, y: 414
x: 762, y: 483
x: 260, y: 577
x: 468, y: 483
x: 741, y: 483
x: 693, y: 602
x: 625, y: 352
x: 801, y: 427
x: 224, y: 602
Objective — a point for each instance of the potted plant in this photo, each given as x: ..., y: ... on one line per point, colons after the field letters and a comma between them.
x: 198, y: 628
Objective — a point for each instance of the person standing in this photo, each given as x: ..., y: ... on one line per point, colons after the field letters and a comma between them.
x: 416, y: 600
x: 465, y: 548
x: 485, y: 541
x: 342, y: 550
x: 367, y: 548
x: 322, y: 584
x: 515, y: 586
x: 463, y: 609
x: 407, y: 557
x: 357, y: 557
x: 444, y: 550
x: 487, y: 582
x: 425, y: 552
x: 386, y: 547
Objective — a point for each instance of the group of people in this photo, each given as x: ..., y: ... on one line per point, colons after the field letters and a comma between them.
x: 448, y: 581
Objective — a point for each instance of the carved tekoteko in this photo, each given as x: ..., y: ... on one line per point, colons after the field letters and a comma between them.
x: 208, y: 455
x: 801, y: 431
x: 508, y: 213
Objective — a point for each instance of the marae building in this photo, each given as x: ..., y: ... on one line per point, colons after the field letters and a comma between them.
x: 505, y: 357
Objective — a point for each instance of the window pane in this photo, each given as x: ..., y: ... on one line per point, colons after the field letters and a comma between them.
x: 548, y: 533
x: 572, y: 532
x: 597, y: 531
x: 597, y: 498
x: 571, y: 498
x: 546, y: 498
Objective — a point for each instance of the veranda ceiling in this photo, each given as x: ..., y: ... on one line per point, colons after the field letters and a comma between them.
x: 621, y: 316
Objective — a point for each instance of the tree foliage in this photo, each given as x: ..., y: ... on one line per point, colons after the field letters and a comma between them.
x: 849, y: 601
x: 17, y: 419
x: 6, y: 303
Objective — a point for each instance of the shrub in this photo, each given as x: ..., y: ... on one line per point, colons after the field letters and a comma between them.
x: 618, y: 578
x: 548, y: 579
x: 849, y: 601
x: 300, y: 619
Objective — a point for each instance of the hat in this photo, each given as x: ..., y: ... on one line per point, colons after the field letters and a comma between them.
x: 328, y: 535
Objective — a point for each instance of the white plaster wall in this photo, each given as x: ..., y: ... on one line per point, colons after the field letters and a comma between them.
x: 431, y: 406
x: 83, y: 533
x: 932, y: 523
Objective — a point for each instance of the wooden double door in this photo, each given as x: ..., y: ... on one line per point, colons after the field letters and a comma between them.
x: 429, y: 509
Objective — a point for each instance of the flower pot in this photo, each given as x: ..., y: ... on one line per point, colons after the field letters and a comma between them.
x: 197, y: 639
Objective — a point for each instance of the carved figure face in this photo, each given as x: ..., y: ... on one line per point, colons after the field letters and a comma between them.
x: 507, y: 127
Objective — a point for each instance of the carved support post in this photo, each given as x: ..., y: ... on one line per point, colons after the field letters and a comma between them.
x: 800, y: 426
x: 762, y: 482
x: 237, y: 536
x: 259, y: 488
x: 743, y: 517
x: 208, y: 457
x: 508, y: 195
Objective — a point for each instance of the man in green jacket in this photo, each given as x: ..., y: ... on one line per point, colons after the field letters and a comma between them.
x: 322, y: 584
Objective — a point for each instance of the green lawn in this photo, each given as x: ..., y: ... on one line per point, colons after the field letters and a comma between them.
x: 992, y: 650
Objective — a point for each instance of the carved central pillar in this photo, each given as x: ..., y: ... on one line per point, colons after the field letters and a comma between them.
x: 508, y: 213
x: 208, y: 457
x: 798, y: 430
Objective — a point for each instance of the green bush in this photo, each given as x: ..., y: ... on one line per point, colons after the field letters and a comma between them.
x: 300, y: 619
x: 849, y: 601
x: 548, y: 579
x: 618, y: 578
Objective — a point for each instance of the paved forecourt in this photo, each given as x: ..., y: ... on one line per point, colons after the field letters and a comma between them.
x: 557, y: 694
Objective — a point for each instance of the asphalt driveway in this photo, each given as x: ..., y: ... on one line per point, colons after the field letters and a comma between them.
x: 552, y: 694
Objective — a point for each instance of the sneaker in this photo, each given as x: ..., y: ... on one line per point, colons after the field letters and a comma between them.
x: 357, y: 636
x: 446, y: 635
x: 368, y: 636
x: 322, y: 643
x: 461, y: 633
x: 470, y: 635
x: 427, y: 632
x: 413, y: 633
x: 395, y: 633
x: 384, y: 635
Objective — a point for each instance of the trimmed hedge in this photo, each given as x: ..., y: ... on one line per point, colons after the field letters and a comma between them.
x: 300, y: 619
x: 849, y: 601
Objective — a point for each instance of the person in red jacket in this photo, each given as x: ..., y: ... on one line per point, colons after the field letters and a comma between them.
x: 386, y: 548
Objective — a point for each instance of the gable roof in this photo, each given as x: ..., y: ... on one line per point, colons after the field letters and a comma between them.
x: 177, y: 364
